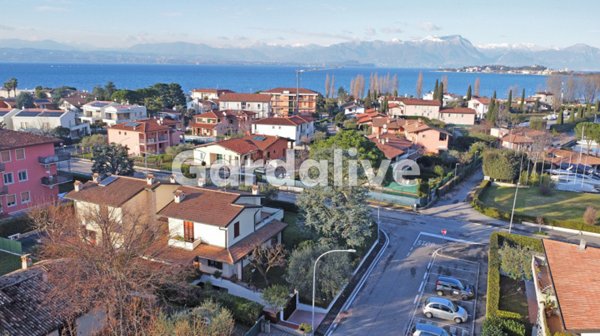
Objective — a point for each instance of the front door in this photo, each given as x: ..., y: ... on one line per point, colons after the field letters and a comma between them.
x: 188, y: 231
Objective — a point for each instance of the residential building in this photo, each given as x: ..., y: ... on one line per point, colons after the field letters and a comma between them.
x: 75, y: 101
x: 222, y: 123
x: 6, y: 115
x: 48, y: 120
x: 545, y: 97
x: 147, y: 136
x: 288, y: 101
x: 216, y: 230
x: 429, y: 138
x: 564, y: 278
x: 352, y: 108
x: 112, y: 113
x: 396, y: 147
x: 458, y: 116
x: 240, y: 152
x: 254, y: 102
x: 300, y: 129
x: 208, y: 94
x: 414, y: 108
x: 366, y: 119
x: 565, y: 158
x: 520, y: 138
x: 481, y: 106
x: 28, y: 170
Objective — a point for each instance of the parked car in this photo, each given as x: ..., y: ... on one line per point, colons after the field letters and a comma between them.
x: 446, y: 285
x: 424, y: 329
x: 444, y: 309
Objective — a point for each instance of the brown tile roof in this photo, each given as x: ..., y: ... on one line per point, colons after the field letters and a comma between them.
x: 458, y: 110
x: 421, y: 102
x: 483, y: 100
x: 557, y: 156
x: 209, y: 114
x: 245, y: 97
x: 392, y: 146
x: 142, y: 126
x: 203, y: 125
x: 17, y: 139
x: 229, y: 256
x: 281, y: 90
x: 115, y: 194
x: 203, y: 205
x: 516, y: 139
x: 367, y: 117
x: 249, y: 143
x: 575, y: 277
x: 284, y: 121
x: 77, y: 101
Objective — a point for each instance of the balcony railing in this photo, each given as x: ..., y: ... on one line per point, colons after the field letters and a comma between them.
x: 53, y: 180
x: 186, y: 245
x: 52, y: 159
x: 272, y: 214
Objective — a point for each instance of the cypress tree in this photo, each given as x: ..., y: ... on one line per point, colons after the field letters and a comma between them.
x: 561, y: 117
x: 598, y: 106
x: 572, y: 115
x: 441, y: 93
x: 580, y: 112
x: 469, y: 93
x: 509, y: 101
x: 436, y: 90
x: 522, y: 107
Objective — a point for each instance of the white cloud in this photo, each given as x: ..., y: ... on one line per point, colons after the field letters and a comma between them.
x: 429, y: 26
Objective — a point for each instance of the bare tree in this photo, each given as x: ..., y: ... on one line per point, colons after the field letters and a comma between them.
x: 590, y: 216
x: 420, y: 85
x: 554, y: 86
x: 570, y: 89
x: 332, y: 88
x: 445, y: 82
x: 476, y: 86
x: 103, y: 263
x: 263, y: 259
x: 590, y: 86
x: 327, y: 86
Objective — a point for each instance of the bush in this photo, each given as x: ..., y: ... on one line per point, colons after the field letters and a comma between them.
x: 12, y: 225
x: 492, y: 327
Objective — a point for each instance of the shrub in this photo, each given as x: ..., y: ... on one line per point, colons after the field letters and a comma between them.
x: 590, y: 216
x: 12, y: 225
x: 516, y: 261
x: 492, y: 327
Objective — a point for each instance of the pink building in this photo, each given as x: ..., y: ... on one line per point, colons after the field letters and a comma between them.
x: 151, y: 136
x: 28, y: 169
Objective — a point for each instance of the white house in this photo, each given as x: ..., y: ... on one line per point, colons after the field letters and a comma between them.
x: 208, y: 94
x: 6, y: 115
x: 47, y: 120
x: 545, y: 97
x: 415, y: 108
x: 353, y: 109
x: 257, y: 103
x: 480, y: 105
x: 112, y: 113
x: 300, y: 129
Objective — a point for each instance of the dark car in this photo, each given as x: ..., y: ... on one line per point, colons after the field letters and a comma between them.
x: 450, y: 286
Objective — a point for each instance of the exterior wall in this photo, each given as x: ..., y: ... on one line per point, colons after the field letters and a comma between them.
x: 458, y: 118
x: 151, y: 142
x: 246, y: 219
x: 284, y: 103
x: 208, y: 154
x: 262, y: 109
x: 208, y: 234
x: 480, y: 108
x: 430, y: 140
x: 131, y: 139
x: 8, y: 120
x: 112, y: 115
x: 431, y: 112
x: 289, y: 132
x: 38, y: 193
x: 201, y: 95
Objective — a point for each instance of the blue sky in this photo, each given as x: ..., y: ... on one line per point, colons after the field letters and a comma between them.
x: 109, y: 23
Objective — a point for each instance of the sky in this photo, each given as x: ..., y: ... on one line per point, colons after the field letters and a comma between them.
x: 119, y: 24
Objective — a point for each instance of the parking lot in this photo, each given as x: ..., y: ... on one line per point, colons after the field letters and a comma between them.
x: 455, y: 265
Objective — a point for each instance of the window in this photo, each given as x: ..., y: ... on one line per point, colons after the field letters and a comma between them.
x: 215, y: 264
x: 25, y: 197
x: 236, y: 229
x: 11, y: 200
x: 188, y: 231
x: 22, y: 175
x: 5, y: 156
x: 8, y: 178
x: 20, y: 153
x: 443, y: 136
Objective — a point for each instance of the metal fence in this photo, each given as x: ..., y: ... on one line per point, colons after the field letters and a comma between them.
x: 255, y: 330
x: 11, y: 246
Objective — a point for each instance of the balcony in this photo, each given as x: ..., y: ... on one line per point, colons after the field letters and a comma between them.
x: 268, y: 215
x: 54, y: 180
x: 181, y: 243
x: 53, y: 159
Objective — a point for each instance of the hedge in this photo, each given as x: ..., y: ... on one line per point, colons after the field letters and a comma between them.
x: 493, y: 281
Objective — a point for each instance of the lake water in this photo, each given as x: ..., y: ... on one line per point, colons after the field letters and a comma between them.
x: 250, y: 78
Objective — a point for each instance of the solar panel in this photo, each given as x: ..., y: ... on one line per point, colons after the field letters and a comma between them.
x: 108, y: 181
x: 132, y: 124
x: 28, y: 114
x: 259, y: 138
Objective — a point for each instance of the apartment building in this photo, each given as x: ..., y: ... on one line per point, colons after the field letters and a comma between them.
x: 288, y: 101
x: 146, y: 136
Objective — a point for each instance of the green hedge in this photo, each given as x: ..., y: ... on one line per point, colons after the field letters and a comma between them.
x: 497, y: 239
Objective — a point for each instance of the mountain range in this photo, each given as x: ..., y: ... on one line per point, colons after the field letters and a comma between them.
x: 430, y: 52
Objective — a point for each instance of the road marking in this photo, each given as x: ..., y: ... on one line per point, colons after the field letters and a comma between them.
x: 416, y: 298
x: 425, y: 275
x: 422, y: 286
x: 433, y: 235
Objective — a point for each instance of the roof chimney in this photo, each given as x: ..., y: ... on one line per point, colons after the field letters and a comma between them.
x: 25, y: 261
x: 201, y: 181
x: 172, y: 178
x: 150, y: 179
x: 582, y: 245
x: 179, y: 195
x: 254, y: 189
x: 387, y: 140
x: 96, y: 178
x: 77, y: 186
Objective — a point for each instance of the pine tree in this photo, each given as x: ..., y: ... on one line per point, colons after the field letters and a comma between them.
x: 522, y: 107
x: 469, y: 93
x: 436, y: 90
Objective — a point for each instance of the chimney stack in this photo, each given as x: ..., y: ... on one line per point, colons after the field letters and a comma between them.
x: 77, y: 186
x: 582, y: 245
x: 96, y: 178
x: 25, y: 261
x: 172, y: 179
x: 179, y: 196
x: 201, y: 181
x: 150, y: 179
x: 254, y: 189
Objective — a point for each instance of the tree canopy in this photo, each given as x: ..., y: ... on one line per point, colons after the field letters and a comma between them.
x: 501, y: 164
x: 111, y: 159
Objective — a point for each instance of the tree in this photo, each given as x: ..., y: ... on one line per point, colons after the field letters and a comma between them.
x: 61, y: 132
x: 492, y: 115
x: 39, y: 92
x: 263, y: 259
x: 276, y: 296
x: 419, y: 88
x: 11, y: 84
x: 516, y: 261
x: 99, y: 93
x: 24, y: 100
x: 561, y: 116
x: 590, y: 86
x: 89, y: 142
x: 554, y: 85
x: 509, y: 101
x: 537, y: 123
x: 477, y: 85
x: 104, y: 270
x: 469, y: 93
x: 572, y: 112
x: 590, y: 216
x: 492, y: 326
x: 522, y: 103
x: 441, y: 91
x: 436, y: 90
x: 111, y: 159
x: 501, y: 164
x: 444, y: 84
x: 332, y: 272
x: 208, y: 319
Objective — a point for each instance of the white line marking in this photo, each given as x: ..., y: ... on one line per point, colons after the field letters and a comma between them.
x: 425, y: 275
x: 416, y: 298
x: 422, y: 286
x: 448, y: 238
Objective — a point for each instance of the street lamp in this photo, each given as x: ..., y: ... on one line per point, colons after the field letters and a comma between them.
x: 315, y: 279
x: 456, y: 169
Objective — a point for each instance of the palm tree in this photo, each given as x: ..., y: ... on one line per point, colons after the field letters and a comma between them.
x: 7, y: 86
x: 13, y: 84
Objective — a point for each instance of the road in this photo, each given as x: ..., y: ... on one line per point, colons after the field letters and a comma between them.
x: 82, y: 166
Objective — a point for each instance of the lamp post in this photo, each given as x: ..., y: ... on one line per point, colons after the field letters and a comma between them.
x: 312, y: 324
x: 456, y: 169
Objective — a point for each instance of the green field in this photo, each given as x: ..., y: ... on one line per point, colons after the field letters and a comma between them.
x: 561, y: 205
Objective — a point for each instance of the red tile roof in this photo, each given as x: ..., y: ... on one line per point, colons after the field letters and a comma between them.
x: 280, y: 90
x: 283, y: 121
x: 245, y: 97
x: 17, y: 139
x: 114, y: 194
x: 483, y: 100
x: 458, y: 110
x: 142, y: 126
x: 249, y: 143
x: 203, y: 125
x: 209, y: 114
x: 574, y: 274
x: 421, y: 102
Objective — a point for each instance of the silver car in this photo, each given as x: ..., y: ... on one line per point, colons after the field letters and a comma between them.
x: 444, y: 309
x: 422, y: 329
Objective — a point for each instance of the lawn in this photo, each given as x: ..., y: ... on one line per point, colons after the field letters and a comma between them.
x: 9, y: 262
x: 513, y: 297
x: 560, y: 205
